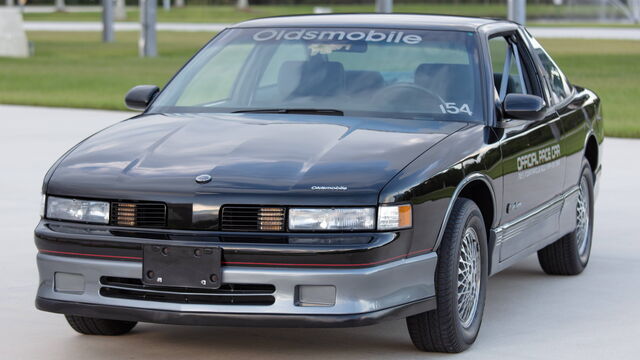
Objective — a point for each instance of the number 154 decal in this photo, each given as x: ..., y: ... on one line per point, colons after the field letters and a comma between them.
x: 452, y: 108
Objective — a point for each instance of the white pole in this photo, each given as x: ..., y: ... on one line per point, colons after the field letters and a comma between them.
x: 517, y: 11
x: 60, y: 5
x: 107, y: 21
x: 242, y: 4
x: 384, y: 6
x: 121, y: 10
x: 166, y: 5
x: 635, y: 10
x: 148, y: 46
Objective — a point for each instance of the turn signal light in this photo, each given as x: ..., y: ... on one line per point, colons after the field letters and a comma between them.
x: 394, y: 217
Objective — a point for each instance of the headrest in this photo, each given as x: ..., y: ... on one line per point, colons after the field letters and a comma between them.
x: 512, y: 84
x: 357, y: 81
x: 425, y: 73
x: 310, y: 78
x: 452, y: 82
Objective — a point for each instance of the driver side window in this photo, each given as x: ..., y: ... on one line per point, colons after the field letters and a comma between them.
x: 505, y: 59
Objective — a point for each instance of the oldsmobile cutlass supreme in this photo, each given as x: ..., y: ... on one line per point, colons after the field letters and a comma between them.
x: 333, y: 170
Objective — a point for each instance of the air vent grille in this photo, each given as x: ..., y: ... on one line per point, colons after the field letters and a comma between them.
x: 253, y: 218
x: 150, y: 215
x: 227, y: 294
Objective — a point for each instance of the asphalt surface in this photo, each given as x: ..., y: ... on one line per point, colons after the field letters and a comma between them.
x: 529, y: 315
x: 541, y: 32
x: 120, y: 26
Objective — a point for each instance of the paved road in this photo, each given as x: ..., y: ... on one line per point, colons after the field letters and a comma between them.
x: 119, y: 26
x: 542, y: 32
x: 529, y: 315
x: 45, y: 9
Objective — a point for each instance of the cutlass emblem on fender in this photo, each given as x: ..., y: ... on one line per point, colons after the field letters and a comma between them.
x: 330, y: 188
x: 203, y: 179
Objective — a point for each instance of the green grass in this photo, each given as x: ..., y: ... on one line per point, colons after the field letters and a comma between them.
x: 611, y: 68
x: 77, y: 70
x: 228, y: 14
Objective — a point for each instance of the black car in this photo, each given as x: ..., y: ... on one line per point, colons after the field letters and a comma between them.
x: 333, y: 170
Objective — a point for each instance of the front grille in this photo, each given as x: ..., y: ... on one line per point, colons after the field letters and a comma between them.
x: 227, y: 294
x: 253, y: 218
x: 151, y: 215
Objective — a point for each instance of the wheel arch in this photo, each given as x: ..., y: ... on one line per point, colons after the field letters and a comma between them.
x: 478, y: 188
x: 592, y: 154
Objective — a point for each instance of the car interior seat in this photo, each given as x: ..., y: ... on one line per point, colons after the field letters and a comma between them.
x: 311, y: 79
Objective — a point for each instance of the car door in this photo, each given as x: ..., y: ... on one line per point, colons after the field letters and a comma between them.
x: 533, y: 170
x: 570, y: 107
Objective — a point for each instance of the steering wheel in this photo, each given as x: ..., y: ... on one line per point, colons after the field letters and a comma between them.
x: 408, y: 95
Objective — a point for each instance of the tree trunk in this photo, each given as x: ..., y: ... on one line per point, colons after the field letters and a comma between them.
x: 179, y: 3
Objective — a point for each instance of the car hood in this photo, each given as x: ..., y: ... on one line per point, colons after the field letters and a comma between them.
x: 252, y: 158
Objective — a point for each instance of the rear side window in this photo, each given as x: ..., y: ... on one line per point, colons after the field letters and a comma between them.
x: 557, y: 81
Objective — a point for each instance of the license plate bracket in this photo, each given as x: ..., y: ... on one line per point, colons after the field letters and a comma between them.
x: 182, y: 266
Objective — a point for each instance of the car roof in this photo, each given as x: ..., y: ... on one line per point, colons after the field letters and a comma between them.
x: 373, y: 20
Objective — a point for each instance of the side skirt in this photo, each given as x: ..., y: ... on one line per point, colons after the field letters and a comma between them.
x: 560, y: 209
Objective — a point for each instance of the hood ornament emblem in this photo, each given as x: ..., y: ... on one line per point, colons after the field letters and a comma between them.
x: 203, y: 179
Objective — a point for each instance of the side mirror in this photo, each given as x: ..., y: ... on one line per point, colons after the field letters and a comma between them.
x: 523, y: 107
x: 139, y: 97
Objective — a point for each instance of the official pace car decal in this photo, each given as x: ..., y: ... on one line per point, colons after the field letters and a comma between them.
x: 329, y: 35
x: 539, y: 161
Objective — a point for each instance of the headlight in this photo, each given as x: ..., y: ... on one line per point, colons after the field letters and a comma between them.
x: 394, y: 217
x: 310, y: 219
x: 390, y: 217
x: 77, y: 210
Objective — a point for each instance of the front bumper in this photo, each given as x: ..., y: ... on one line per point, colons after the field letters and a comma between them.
x: 362, y: 296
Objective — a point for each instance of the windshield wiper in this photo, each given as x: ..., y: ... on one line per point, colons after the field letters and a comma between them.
x: 331, y: 112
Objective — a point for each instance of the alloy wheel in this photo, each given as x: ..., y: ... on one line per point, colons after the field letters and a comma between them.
x: 583, y: 221
x: 469, y: 267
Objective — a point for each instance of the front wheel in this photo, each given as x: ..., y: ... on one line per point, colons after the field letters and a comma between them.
x: 460, y: 281
x: 92, y: 326
x: 570, y: 254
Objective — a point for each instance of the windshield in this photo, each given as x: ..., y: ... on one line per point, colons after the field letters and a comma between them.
x: 350, y: 71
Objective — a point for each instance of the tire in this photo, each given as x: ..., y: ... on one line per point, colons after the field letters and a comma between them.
x: 444, y: 329
x: 92, y: 326
x: 570, y: 254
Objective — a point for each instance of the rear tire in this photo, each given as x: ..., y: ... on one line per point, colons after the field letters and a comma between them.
x: 570, y: 254
x: 460, y: 281
x: 93, y: 326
